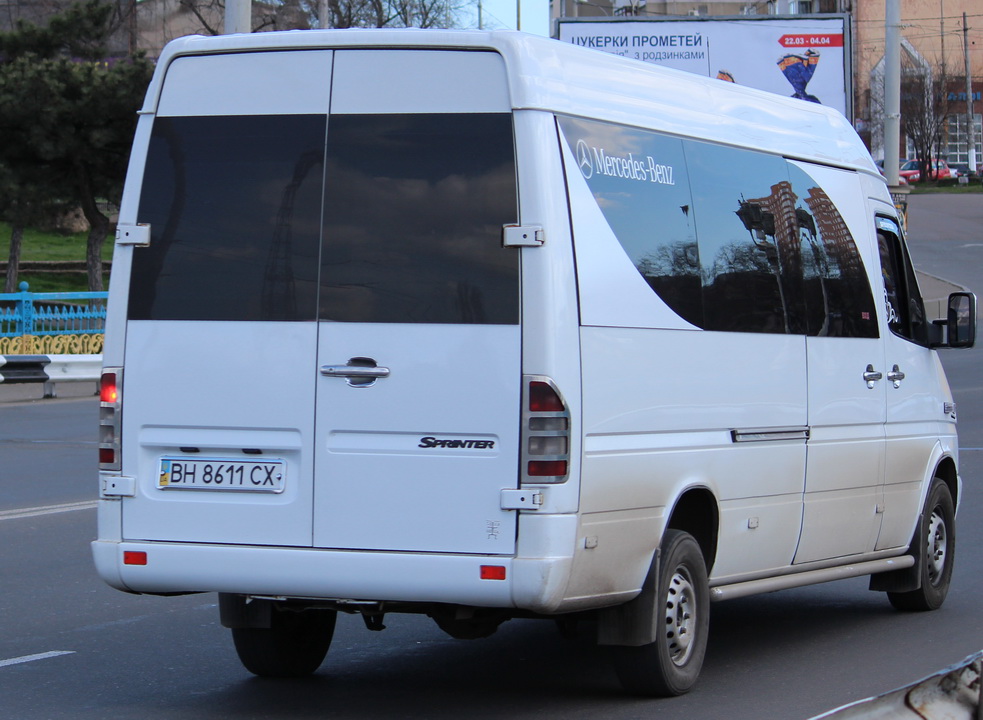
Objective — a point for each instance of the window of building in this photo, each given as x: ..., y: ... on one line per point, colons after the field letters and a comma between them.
x: 957, y: 149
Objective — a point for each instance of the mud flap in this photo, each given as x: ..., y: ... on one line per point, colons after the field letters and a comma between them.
x: 634, y: 623
x: 909, y: 578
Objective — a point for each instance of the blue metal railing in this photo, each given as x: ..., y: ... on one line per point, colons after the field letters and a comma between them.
x: 67, y: 313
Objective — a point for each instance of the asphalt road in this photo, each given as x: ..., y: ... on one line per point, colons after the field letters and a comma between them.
x: 71, y: 647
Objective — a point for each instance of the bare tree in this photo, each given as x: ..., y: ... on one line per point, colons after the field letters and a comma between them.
x: 924, y: 112
x: 305, y: 14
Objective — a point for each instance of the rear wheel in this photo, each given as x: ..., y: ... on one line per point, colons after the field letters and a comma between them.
x: 935, y: 548
x: 293, y: 646
x: 670, y: 665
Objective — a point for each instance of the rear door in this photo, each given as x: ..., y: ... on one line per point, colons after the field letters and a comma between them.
x: 219, y: 385
x: 323, y: 341
x: 418, y: 349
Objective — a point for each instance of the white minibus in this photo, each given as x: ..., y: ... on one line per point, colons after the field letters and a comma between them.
x: 483, y: 325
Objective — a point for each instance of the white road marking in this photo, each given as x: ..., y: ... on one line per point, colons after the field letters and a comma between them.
x: 32, y: 658
x: 46, y: 510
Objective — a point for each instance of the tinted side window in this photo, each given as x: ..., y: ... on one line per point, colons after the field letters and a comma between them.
x: 640, y: 183
x: 903, y: 300
x: 414, y: 209
x: 234, y: 205
x: 838, y: 301
x: 751, y: 266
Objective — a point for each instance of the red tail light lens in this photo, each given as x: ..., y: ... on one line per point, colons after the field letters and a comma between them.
x: 110, y: 412
x: 543, y: 398
x: 108, y: 392
x: 547, y: 468
x: 545, y: 433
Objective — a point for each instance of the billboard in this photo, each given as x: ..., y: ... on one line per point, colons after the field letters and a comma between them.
x: 802, y: 56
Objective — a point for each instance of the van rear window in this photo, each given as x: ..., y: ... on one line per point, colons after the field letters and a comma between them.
x: 403, y: 223
x: 234, y: 206
x: 414, y: 209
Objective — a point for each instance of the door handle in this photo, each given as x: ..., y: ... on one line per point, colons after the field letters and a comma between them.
x: 359, y: 372
x: 896, y: 376
x: 349, y: 371
x: 871, y: 376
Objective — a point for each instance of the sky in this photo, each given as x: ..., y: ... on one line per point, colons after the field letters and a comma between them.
x: 501, y: 14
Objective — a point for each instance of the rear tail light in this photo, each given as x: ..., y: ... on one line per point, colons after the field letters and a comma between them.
x: 545, y: 433
x: 110, y: 412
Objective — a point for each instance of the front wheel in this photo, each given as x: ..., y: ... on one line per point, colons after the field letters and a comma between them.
x: 670, y: 665
x: 935, y: 545
x: 293, y: 646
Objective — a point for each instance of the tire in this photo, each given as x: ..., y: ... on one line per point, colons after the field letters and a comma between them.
x: 293, y: 646
x: 670, y: 665
x: 934, y: 548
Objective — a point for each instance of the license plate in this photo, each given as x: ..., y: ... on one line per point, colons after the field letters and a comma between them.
x: 268, y: 476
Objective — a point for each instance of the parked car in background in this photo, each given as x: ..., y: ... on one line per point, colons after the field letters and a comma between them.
x: 880, y: 166
x: 911, y: 170
x: 962, y: 170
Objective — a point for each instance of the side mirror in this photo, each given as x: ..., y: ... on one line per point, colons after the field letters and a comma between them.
x: 961, y: 320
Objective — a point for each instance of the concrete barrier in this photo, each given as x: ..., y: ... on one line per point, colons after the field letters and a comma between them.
x: 950, y: 694
x: 49, y: 369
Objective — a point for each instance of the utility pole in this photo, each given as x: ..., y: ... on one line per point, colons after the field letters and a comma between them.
x: 892, y: 89
x: 971, y: 136
x: 238, y: 16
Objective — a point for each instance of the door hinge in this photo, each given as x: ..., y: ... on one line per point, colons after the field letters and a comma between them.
x: 522, y: 236
x: 513, y: 499
x: 138, y: 234
x: 113, y: 486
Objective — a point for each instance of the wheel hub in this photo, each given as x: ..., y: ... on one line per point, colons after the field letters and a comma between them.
x: 937, y: 546
x: 680, y: 617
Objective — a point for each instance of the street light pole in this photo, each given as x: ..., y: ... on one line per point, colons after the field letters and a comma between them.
x: 892, y: 89
x: 238, y: 16
x: 971, y: 138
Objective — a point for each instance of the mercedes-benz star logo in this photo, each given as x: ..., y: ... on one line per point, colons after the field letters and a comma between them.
x: 584, y: 162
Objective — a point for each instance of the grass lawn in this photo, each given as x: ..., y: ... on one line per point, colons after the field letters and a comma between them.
x: 930, y: 188
x: 40, y: 246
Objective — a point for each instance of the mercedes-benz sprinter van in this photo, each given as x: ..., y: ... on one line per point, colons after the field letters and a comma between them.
x: 484, y: 325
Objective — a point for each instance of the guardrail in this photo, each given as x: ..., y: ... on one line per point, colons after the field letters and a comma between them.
x: 51, y: 337
x: 49, y: 369
x: 51, y: 323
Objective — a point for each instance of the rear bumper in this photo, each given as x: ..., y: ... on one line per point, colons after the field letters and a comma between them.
x: 334, y: 574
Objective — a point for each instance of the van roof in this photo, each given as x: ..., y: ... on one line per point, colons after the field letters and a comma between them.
x: 554, y: 76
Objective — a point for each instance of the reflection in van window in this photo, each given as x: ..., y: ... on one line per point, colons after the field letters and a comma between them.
x: 750, y: 267
x: 640, y: 182
x: 902, y: 298
x: 838, y: 299
x: 234, y: 207
x: 414, y: 209
x: 730, y: 239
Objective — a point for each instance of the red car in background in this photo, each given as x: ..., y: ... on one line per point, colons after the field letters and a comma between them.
x: 911, y: 170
